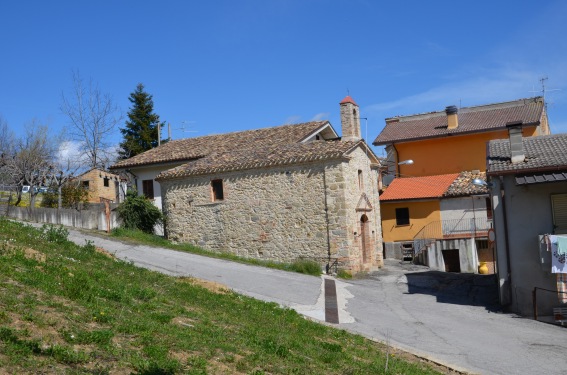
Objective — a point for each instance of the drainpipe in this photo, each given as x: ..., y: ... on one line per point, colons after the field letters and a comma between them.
x: 502, y: 222
x: 328, y: 266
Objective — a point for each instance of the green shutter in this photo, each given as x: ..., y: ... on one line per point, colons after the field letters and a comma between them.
x: 559, y: 206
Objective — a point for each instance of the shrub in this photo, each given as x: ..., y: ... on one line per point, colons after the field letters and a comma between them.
x: 49, y: 200
x: 73, y: 195
x: 138, y: 212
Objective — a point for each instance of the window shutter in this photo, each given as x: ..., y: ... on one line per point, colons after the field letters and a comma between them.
x: 559, y: 207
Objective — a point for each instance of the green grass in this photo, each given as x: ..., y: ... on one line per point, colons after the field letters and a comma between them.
x: 69, y: 309
x: 25, y: 202
x: 305, y: 266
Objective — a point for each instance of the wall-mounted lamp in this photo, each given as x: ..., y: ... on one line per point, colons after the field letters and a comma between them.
x: 481, y: 182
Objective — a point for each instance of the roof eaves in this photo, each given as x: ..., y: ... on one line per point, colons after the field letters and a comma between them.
x: 154, y: 163
x: 167, y: 175
x: 452, y: 134
x: 510, y: 171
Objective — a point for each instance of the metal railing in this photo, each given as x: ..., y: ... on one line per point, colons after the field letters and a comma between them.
x: 450, y: 229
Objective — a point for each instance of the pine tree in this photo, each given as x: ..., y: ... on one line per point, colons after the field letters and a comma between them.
x: 141, y: 132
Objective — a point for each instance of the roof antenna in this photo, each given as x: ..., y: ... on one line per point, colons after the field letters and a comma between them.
x: 543, y: 89
x: 182, y: 128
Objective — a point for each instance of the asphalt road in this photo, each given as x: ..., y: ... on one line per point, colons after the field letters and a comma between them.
x: 448, y: 318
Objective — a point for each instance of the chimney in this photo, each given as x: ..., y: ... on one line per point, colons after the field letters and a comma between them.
x: 350, y: 120
x: 452, y: 117
x: 516, y: 145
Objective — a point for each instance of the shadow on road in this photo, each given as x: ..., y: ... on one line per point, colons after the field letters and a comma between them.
x: 456, y: 288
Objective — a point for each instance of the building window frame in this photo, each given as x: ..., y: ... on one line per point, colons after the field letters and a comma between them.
x: 148, y: 189
x: 402, y: 216
x: 217, y: 190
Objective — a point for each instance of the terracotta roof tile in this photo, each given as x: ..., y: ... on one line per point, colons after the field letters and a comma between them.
x: 198, y: 147
x: 348, y: 99
x: 543, y: 153
x: 418, y: 187
x: 262, y: 157
x: 471, y: 120
x: 463, y: 186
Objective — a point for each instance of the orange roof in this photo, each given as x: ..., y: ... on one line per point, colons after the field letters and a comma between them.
x: 348, y: 99
x: 418, y: 187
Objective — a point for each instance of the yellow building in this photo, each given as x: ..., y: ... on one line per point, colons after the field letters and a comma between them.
x: 101, y: 184
x: 431, y: 209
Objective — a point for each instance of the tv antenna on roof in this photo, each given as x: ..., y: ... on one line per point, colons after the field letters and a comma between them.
x: 543, y: 88
x: 185, y: 124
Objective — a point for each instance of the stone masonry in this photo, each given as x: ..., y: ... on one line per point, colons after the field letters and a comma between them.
x: 283, y: 213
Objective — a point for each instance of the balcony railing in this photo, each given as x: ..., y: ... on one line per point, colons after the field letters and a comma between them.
x: 450, y: 229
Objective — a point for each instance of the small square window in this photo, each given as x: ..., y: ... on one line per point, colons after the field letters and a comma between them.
x: 217, y: 190
x: 402, y: 216
x: 86, y: 185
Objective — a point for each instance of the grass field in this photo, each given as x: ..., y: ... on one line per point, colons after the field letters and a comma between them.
x: 71, y: 309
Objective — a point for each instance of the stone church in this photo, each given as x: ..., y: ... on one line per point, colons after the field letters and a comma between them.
x: 282, y: 193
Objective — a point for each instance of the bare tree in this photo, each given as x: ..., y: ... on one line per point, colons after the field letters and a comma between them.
x: 30, y: 160
x: 64, y: 168
x: 93, y: 116
x: 6, y: 150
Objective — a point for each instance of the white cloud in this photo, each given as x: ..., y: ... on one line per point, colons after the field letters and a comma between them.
x: 292, y: 120
x: 320, y: 116
x: 495, y: 87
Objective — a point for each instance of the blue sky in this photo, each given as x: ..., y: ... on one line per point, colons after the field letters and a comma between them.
x: 229, y: 65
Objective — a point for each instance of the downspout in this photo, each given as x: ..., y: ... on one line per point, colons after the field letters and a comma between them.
x: 328, y: 266
x: 396, y: 159
x: 507, y: 248
x: 498, y: 193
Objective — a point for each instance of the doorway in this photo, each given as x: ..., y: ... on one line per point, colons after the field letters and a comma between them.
x: 451, y: 260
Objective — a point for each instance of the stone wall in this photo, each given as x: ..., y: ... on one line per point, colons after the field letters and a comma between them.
x: 356, y: 205
x: 280, y: 214
x: 276, y: 213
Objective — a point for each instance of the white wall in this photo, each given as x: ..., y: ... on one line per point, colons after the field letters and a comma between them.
x: 150, y: 173
x: 463, y: 208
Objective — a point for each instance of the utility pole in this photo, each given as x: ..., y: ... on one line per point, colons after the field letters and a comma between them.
x: 158, y: 134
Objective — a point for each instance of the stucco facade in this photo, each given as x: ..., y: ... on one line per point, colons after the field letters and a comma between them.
x: 521, y: 215
x: 316, y: 211
x: 440, y: 143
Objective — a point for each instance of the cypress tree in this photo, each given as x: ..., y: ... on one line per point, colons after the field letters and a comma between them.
x: 141, y: 131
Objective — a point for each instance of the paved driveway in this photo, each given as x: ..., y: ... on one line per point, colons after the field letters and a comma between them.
x: 448, y: 318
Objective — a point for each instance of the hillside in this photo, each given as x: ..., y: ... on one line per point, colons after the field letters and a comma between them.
x: 75, y: 309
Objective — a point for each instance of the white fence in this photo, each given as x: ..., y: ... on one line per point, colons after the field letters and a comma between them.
x: 87, y: 219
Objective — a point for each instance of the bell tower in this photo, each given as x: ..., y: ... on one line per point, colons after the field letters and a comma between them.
x: 350, y: 120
